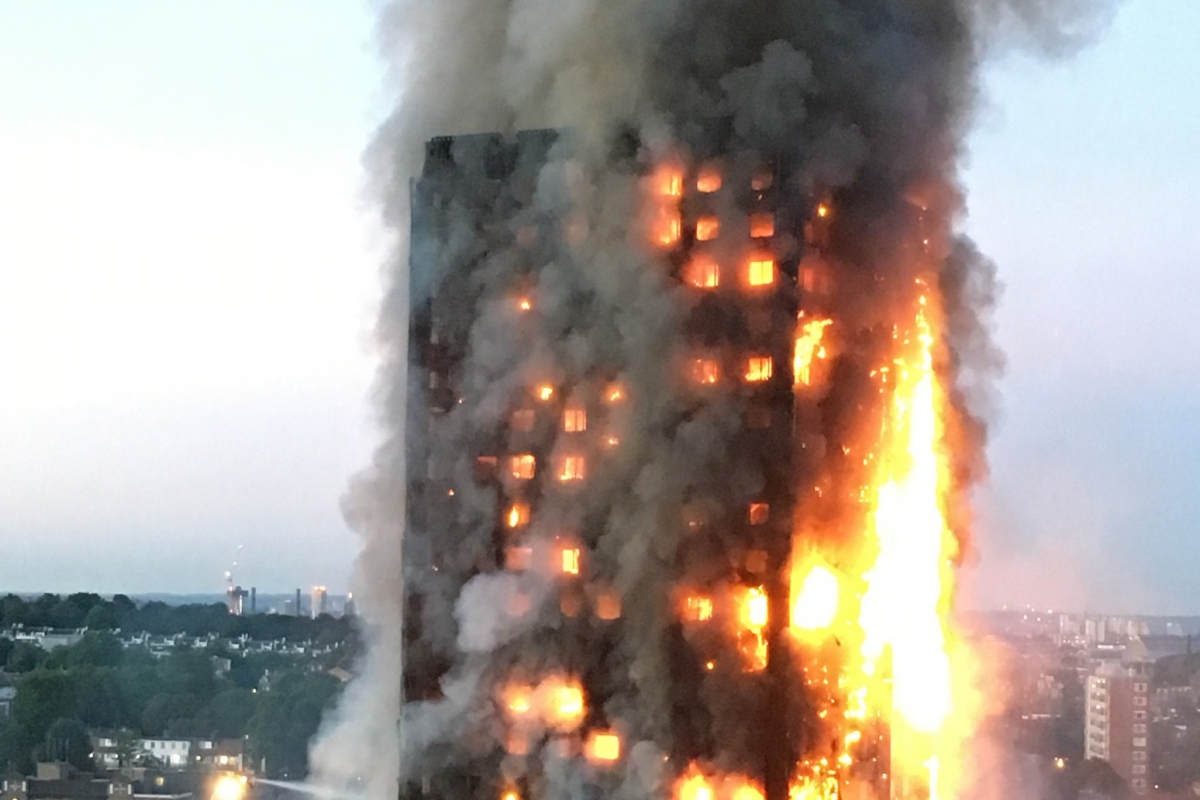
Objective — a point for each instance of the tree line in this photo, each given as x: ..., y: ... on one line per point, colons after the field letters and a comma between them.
x: 91, y: 611
x: 274, y: 700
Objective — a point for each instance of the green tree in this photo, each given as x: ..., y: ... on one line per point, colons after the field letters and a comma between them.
x: 43, y: 696
x: 24, y: 657
x: 101, y: 617
x: 67, y: 740
x: 286, y: 719
x: 15, y: 748
x: 95, y: 649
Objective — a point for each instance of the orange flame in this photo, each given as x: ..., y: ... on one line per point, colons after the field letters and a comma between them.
x: 809, y: 348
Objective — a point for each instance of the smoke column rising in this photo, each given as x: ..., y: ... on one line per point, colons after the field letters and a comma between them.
x: 866, y: 101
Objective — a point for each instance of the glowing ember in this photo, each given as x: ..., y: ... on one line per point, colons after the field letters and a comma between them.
x: 809, y: 348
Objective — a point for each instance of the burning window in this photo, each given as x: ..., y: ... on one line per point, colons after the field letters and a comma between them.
x: 575, y: 420
x: 759, y: 513
x: 565, y: 706
x: 614, y: 393
x: 573, y: 468
x: 517, y: 516
x: 758, y: 368
x: 518, y: 700
x: 703, y: 273
x: 608, y: 606
x: 762, y: 226
x: 668, y: 227
x: 524, y: 304
x: 518, y: 559
x: 761, y: 270
x: 823, y: 210
x: 705, y: 370
x: 698, y: 608
x: 523, y: 420
x: 569, y: 560
x: 544, y: 392
x: 762, y: 180
x: 708, y: 180
x: 603, y: 746
x: 668, y: 181
x: 707, y: 229
x: 522, y: 466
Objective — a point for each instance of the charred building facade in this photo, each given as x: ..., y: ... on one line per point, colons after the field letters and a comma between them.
x: 587, y: 653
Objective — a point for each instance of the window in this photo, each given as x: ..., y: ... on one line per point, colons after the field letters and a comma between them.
x: 1139, y: 783
x: 759, y: 513
x: 1139, y: 687
x: 522, y: 466
x: 1139, y: 715
x: 758, y: 369
x: 1139, y: 728
x: 574, y: 420
x: 523, y: 419
x: 761, y: 271
x: 1139, y: 701
x: 608, y: 606
x: 762, y: 179
x: 544, y: 392
x: 517, y: 516
x: 705, y: 370
x: 709, y: 180
x: 570, y: 560
x: 699, y: 608
x: 1139, y: 769
x: 707, y: 229
x: 703, y: 273
x: 762, y: 226
x: 668, y: 228
x: 1139, y: 741
x: 1139, y: 755
x: 518, y: 559
x: 573, y: 468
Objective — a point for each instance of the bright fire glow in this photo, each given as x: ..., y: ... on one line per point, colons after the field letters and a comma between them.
x: 510, y: 794
x: 575, y: 420
x: 753, y: 615
x: 707, y: 229
x: 703, y: 273
x: 709, y: 180
x: 699, y: 608
x: 518, y: 515
x: 809, y: 348
x: 566, y: 707
x: 573, y: 468
x: 545, y: 392
x: 762, y: 226
x: 570, y: 560
x: 758, y: 368
x: 694, y: 786
x: 603, y: 746
x: 705, y: 370
x: 229, y: 787
x: 815, y: 605
x: 761, y: 271
x: 523, y: 466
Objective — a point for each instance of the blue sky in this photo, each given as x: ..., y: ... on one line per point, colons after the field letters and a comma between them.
x: 187, y: 277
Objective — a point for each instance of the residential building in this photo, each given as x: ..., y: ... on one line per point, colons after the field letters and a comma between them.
x: 1117, y: 720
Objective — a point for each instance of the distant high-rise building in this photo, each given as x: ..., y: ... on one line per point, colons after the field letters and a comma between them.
x: 1116, y: 722
x: 348, y: 607
x: 319, y: 600
x: 299, y: 608
x: 235, y: 597
x: 253, y: 600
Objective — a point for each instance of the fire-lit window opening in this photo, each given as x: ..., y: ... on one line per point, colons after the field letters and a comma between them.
x: 699, y: 608
x: 708, y: 180
x: 522, y: 466
x: 517, y: 515
x: 668, y: 181
x: 703, y: 273
x: 574, y: 468
x: 544, y: 392
x: 614, y: 393
x: 603, y: 746
x: 758, y: 368
x: 523, y: 419
x: 761, y: 271
x: 668, y: 228
x: 518, y: 559
x: 575, y: 420
x: 707, y: 229
x: 762, y: 226
x: 569, y: 560
x: 762, y: 180
x: 706, y: 370
x: 759, y: 513
x: 823, y: 210
x: 608, y: 606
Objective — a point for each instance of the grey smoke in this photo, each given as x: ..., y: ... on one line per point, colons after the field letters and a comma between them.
x: 870, y: 97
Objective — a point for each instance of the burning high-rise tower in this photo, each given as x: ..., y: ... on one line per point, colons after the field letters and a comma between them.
x: 679, y: 368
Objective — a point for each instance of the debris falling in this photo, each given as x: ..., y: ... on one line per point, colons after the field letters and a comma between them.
x: 614, y: 547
